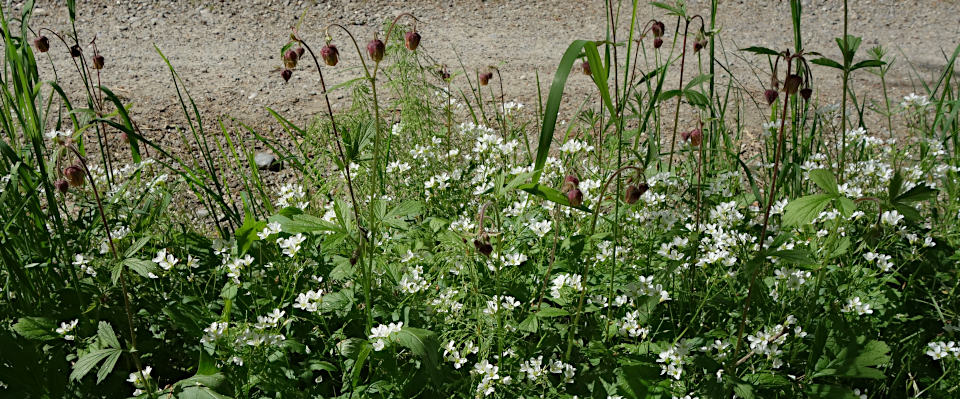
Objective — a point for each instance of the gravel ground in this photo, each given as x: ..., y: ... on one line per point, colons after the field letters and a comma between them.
x: 228, y: 51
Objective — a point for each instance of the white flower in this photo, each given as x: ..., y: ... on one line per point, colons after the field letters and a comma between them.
x: 891, y: 217
x: 914, y: 100
x: 940, y: 350
x: 164, y: 260
x: 856, y: 305
x: 137, y: 381
x: 271, y: 229
x: 380, y: 334
x: 84, y: 265
x: 213, y: 333
x: 514, y: 259
x: 540, y: 228
x: 291, y: 245
x: 309, y: 301
x: 65, y: 329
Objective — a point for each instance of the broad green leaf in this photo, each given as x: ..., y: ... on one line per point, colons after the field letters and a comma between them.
x: 696, y: 98
x: 920, y: 192
x: 802, y: 211
x: 550, y: 194
x: 247, y: 233
x: 88, y: 361
x: 697, y: 81
x: 36, y: 328
x: 141, y: 266
x: 846, y: 206
x: 829, y: 391
x: 825, y: 180
x: 200, y: 392
x: 530, y: 324
x: 107, y: 336
x: 827, y: 63
x: 868, y: 64
x: 553, y: 105
x: 795, y: 256
x: 552, y: 312
x: 664, y: 96
x: 132, y: 250
x: 107, y: 366
x: 422, y: 343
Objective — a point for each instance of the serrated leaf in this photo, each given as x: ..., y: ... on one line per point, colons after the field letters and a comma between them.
x: 794, y: 256
x: 552, y: 312
x: 666, y: 95
x: 530, y: 324
x: 802, y: 211
x: 107, y: 336
x: 88, y: 361
x: 37, y: 328
x: 140, y: 266
x: 136, y: 246
x: 107, y: 366
x: 698, y: 80
x: 422, y: 343
x: 825, y: 180
x: 696, y: 98
x: 247, y: 233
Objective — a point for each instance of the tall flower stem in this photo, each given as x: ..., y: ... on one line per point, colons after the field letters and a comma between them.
x: 676, y: 113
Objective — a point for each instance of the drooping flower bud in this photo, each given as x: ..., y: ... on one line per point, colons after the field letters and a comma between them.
x: 657, y: 29
x: 806, y: 92
x: 657, y: 42
x: 412, y: 40
x: 286, y: 74
x: 75, y: 50
x: 98, y: 61
x: 330, y: 55
x: 74, y: 175
x: 575, y: 197
x: 485, y: 78
x: 124, y: 137
x: 375, y: 49
x: 300, y: 52
x: 585, y: 66
x: 770, y: 95
x: 62, y: 186
x: 632, y: 194
x: 697, y: 46
x: 569, y: 183
x: 792, y: 84
x: 696, y: 137
x: 42, y: 44
x: 290, y: 59
x: 483, y: 246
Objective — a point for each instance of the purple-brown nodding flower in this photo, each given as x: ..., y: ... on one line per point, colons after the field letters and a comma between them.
x: 575, y: 197
x: 770, y: 95
x: 792, y: 84
x: 74, y: 175
x: 42, y: 44
x: 62, y: 186
x: 330, y: 55
x: 412, y: 40
x: 286, y: 74
x: 290, y: 59
x: 483, y: 246
x: 375, y: 49
x: 585, y: 66
x: 806, y: 92
x: 696, y: 137
x: 632, y: 194
x: 98, y: 61
x: 300, y: 52
x: 75, y: 50
x: 485, y: 78
x: 657, y: 42
x: 569, y: 183
x: 657, y: 29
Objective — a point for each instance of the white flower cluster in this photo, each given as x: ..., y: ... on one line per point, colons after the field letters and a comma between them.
x: 445, y: 302
x: 139, y: 383
x: 495, y: 304
x: 941, y: 350
x: 574, y: 146
x: 269, y: 230
x: 539, y: 228
x: 413, y: 281
x: 459, y: 356
x: 84, y: 264
x: 644, y: 287
x: 309, y: 301
x: 630, y: 326
x: 213, y: 333
x: 380, y: 334
x: 855, y: 305
x: 489, y: 377
x: 236, y: 265
x: 883, y: 261
x: 66, y: 328
x: 914, y: 100
x: 262, y: 331
x: 670, y: 250
x: 791, y: 279
x: 672, y: 360
x: 536, y: 371
x: 574, y: 281
x: 768, y: 341
x: 164, y: 260
x: 292, y: 195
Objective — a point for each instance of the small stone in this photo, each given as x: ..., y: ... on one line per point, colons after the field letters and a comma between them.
x: 266, y: 160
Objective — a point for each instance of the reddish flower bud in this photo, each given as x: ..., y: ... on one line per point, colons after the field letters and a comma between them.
x: 42, y: 44
x: 376, y: 48
x: 792, y: 84
x: 696, y: 137
x: 62, y: 186
x: 412, y: 40
x: 585, y: 66
x: 657, y: 42
x: 657, y: 29
x: 483, y: 246
x: 485, y: 78
x: 575, y: 197
x: 290, y: 59
x: 98, y: 61
x: 806, y: 92
x: 74, y: 175
x: 286, y: 74
x: 771, y: 96
x: 330, y: 55
x: 569, y: 183
x: 300, y: 52
x: 124, y: 138
x: 75, y: 50
x: 697, y: 46
x: 632, y: 194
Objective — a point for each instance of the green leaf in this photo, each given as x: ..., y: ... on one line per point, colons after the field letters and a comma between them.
x: 795, y: 256
x: 829, y: 391
x: 196, y: 392
x: 696, y: 98
x: 530, y: 324
x: 846, y: 206
x: 107, y: 366
x: 550, y: 194
x: 107, y: 336
x: 697, y: 81
x: 304, y: 223
x: 36, y: 328
x: 142, y: 267
x: 825, y: 180
x: 423, y: 343
x: 671, y: 10
x: 88, y: 361
x: 920, y: 192
x: 553, y: 105
x: 802, y: 211
x: 868, y: 64
x: 827, y: 63
x: 136, y: 247
x: 760, y: 50
x: 857, y: 360
x: 247, y: 233
x: 668, y: 95
x: 552, y: 312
